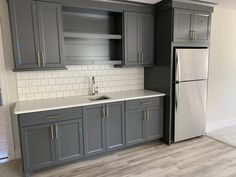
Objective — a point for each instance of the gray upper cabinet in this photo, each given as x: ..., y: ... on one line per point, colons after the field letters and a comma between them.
x: 50, y: 32
x: 131, y: 38
x: 202, y: 26
x: 182, y: 24
x: 147, y: 37
x: 139, y: 38
x: 94, y: 129
x: 191, y: 26
x: 115, y: 126
x: 69, y: 140
x: 36, y: 34
x: 38, y: 155
x: 24, y: 33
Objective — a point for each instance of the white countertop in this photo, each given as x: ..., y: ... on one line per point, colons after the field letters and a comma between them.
x: 23, y: 107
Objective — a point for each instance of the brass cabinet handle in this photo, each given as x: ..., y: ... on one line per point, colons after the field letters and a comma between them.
x: 142, y: 57
x: 53, y: 116
x: 147, y: 112
x: 56, y: 128
x: 195, y: 35
x: 191, y: 35
x: 138, y: 58
x: 103, y: 112
x: 52, y: 134
x: 38, y: 55
x: 107, y: 111
x: 43, y: 58
x: 145, y: 115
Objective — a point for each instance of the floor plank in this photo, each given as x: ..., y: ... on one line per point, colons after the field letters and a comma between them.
x: 200, y: 157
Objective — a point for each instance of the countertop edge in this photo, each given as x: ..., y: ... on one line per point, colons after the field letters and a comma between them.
x: 87, y: 104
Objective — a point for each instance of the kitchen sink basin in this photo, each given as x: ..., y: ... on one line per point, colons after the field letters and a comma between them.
x: 98, y: 98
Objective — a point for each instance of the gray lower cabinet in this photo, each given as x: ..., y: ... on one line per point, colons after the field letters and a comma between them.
x: 139, y: 38
x: 94, y: 129
x: 104, y: 128
x: 49, y: 139
x: 69, y: 140
x: 115, y: 126
x: 154, y: 123
x: 135, y: 127
x: 57, y: 137
x: 38, y: 147
x: 144, y: 120
x: 36, y: 34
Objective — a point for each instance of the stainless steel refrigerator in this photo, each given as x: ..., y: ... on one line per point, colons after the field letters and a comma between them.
x: 191, y: 80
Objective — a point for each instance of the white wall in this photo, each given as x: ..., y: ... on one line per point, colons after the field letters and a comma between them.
x: 12, y: 97
x: 222, y: 69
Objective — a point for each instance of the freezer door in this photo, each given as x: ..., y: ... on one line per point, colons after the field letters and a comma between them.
x: 191, y: 64
x: 190, y: 109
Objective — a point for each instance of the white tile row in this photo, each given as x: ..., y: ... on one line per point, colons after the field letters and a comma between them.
x: 77, y: 81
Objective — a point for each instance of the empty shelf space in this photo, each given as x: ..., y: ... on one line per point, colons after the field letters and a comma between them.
x: 90, y: 35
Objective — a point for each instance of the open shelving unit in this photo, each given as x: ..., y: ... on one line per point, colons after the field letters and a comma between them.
x: 92, y: 37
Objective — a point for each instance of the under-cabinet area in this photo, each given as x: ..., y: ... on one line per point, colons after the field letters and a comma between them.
x: 53, y: 137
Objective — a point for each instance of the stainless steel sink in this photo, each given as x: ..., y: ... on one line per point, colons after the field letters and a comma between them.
x: 98, y: 98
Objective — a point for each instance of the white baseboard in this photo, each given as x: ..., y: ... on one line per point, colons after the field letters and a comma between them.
x: 17, y: 154
x: 220, y: 124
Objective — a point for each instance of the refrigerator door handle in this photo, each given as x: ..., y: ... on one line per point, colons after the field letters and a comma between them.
x: 176, y: 97
x: 178, y: 72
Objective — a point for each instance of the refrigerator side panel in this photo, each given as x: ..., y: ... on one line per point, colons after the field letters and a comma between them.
x: 190, y: 109
x: 191, y: 64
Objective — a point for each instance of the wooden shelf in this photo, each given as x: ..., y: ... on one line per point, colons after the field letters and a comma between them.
x: 92, y: 36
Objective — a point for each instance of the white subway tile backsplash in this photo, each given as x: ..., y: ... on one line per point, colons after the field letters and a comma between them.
x: 76, y: 80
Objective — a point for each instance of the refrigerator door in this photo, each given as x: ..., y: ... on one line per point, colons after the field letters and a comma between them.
x: 191, y: 64
x: 190, y: 109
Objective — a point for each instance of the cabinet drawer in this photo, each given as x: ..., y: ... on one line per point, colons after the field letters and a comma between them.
x: 49, y: 116
x: 141, y: 103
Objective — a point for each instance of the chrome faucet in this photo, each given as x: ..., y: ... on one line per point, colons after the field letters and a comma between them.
x: 94, y: 88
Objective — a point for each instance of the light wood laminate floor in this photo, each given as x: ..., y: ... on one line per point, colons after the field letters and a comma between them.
x: 201, y: 157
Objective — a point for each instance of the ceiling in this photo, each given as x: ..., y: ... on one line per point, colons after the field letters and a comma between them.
x: 231, y: 4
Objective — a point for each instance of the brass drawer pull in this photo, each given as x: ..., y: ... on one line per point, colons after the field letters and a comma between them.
x: 53, y: 116
x: 52, y: 134
x: 146, y: 103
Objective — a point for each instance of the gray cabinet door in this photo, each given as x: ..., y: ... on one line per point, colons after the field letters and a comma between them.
x: 115, y: 126
x: 182, y: 25
x: 69, y: 140
x: 147, y: 39
x: 131, y: 32
x: 202, y: 26
x: 135, y: 127
x: 24, y: 33
x: 50, y: 31
x: 38, y: 147
x: 154, y: 123
x: 94, y: 129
